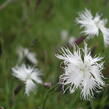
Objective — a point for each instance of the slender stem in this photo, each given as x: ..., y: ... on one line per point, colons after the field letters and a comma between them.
x: 91, y: 104
x: 47, y: 95
x: 75, y: 100
x: 4, y: 4
x: 14, y: 94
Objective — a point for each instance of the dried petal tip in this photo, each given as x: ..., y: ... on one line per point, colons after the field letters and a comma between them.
x: 47, y: 84
x: 17, y: 89
x: 1, y: 107
x: 80, y: 40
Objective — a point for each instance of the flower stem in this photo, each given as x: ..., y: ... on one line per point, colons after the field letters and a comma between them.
x: 91, y: 105
x: 47, y: 95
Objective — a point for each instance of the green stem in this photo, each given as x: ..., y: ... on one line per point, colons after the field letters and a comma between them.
x: 91, y: 104
x: 75, y: 100
x: 47, y: 95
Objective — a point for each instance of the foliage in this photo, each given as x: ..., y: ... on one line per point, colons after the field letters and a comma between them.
x: 36, y: 24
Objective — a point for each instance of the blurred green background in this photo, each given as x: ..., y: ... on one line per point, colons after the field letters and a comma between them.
x: 37, y: 25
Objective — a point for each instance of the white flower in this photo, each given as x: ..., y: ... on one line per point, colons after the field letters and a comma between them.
x: 28, y: 75
x: 92, y: 25
x: 81, y: 71
x: 24, y: 52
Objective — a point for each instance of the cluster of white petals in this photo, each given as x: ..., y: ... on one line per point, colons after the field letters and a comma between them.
x: 25, y: 53
x: 29, y: 75
x: 93, y: 25
x: 81, y: 71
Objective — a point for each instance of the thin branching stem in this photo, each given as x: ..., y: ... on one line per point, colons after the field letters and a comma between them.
x: 91, y: 105
x: 47, y: 95
x: 5, y: 4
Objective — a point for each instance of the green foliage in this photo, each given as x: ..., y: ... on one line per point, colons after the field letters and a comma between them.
x: 36, y: 24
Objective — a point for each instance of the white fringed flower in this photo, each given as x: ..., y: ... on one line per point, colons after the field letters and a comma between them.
x: 92, y: 25
x: 81, y: 71
x: 24, y: 52
x: 28, y: 75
